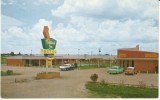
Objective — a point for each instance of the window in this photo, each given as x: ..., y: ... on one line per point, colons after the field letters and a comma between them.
x: 127, y: 63
x: 27, y: 61
x: 132, y: 63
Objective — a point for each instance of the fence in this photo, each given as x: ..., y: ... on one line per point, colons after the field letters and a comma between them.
x: 141, y: 84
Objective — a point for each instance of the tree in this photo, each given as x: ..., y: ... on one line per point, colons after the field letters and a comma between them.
x: 19, y: 53
x: 12, y: 53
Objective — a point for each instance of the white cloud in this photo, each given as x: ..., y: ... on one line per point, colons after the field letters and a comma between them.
x: 36, y: 31
x: 47, y: 2
x: 112, y: 9
x: 36, y: 34
x: 89, y: 34
x: 2, y: 2
x: 23, y: 39
x: 68, y: 38
x: 86, y: 25
x: 122, y: 23
x: 8, y: 2
x: 122, y: 30
x: 8, y: 21
x: 14, y: 39
x: 72, y: 6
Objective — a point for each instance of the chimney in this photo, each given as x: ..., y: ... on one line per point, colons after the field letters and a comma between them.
x: 137, y: 47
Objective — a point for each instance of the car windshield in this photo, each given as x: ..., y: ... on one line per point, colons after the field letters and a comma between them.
x: 65, y: 65
x: 130, y: 68
x: 115, y: 67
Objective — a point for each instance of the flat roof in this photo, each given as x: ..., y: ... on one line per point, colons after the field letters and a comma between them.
x: 137, y: 58
x: 60, y: 56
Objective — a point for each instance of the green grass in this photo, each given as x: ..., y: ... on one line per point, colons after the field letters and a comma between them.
x: 110, y: 91
x: 87, y: 66
x: 2, y: 60
x: 8, y: 74
x: 91, y: 66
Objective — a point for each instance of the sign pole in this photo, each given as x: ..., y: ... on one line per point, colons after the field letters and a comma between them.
x: 46, y: 64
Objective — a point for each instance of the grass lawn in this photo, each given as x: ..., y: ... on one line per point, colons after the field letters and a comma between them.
x: 2, y: 60
x: 91, y: 66
x: 110, y: 91
x: 8, y: 73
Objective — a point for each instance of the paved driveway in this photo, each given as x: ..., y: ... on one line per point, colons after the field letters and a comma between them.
x: 71, y: 84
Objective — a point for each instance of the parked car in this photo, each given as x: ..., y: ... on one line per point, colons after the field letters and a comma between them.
x: 66, y: 67
x: 131, y: 70
x: 115, y: 70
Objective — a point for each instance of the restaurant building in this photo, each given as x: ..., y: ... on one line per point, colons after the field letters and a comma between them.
x: 143, y: 61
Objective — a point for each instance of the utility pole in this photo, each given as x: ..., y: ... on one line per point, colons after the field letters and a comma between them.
x: 31, y: 59
x: 78, y: 59
x: 99, y: 51
x: 99, y: 57
x: 91, y: 58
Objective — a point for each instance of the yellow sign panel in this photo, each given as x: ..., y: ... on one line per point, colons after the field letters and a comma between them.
x: 49, y: 62
x: 48, y: 51
x: 122, y: 55
x: 50, y: 58
x: 150, y: 55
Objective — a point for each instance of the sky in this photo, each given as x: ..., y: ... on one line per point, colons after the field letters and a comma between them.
x: 86, y: 25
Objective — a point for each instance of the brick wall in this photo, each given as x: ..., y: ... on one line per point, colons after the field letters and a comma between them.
x: 14, y: 62
x: 136, y: 54
x: 146, y: 65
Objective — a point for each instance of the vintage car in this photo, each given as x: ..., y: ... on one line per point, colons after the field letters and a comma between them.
x: 130, y: 71
x: 66, y: 67
x: 115, y: 70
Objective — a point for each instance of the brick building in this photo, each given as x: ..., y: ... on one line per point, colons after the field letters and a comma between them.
x: 40, y: 60
x: 143, y: 61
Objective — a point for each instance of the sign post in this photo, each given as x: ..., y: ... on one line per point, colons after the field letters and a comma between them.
x: 49, y: 45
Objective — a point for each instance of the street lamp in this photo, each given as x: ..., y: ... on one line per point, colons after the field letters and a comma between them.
x: 99, y: 56
x: 31, y: 52
x: 110, y: 60
x: 31, y: 59
x: 99, y: 51
x: 91, y: 58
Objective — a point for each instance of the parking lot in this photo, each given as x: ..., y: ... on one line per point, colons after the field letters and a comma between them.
x: 71, y: 84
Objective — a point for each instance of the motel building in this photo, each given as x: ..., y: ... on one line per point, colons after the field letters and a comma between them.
x: 59, y: 59
x: 143, y: 61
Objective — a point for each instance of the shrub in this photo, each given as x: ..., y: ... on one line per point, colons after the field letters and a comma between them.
x: 94, y: 77
x: 9, y: 72
x: 75, y: 65
x: 142, y: 84
x: 102, y: 82
x: 3, y: 73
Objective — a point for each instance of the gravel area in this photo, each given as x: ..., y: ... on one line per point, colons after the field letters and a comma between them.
x: 71, y: 84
